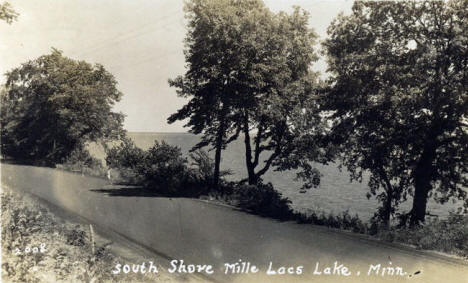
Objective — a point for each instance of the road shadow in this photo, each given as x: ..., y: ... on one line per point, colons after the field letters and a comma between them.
x: 26, y: 162
x: 127, y: 191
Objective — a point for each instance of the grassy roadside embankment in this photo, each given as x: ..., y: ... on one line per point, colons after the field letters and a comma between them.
x: 39, y: 246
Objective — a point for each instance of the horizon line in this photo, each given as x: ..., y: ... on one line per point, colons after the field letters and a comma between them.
x: 157, y: 132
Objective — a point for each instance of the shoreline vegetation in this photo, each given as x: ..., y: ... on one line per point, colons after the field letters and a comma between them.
x: 39, y: 246
x: 194, y: 174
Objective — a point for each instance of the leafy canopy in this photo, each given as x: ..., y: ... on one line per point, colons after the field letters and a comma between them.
x: 399, y: 98
x: 53, y: 105
x: 248, y: 70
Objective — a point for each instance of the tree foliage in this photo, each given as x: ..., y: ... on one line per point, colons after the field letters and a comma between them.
x: 53, y: 105
x: 162, y: 169
x: 7, y: 13
x: 248, y: 72
x: 125, y: 155
x: 398, y: 92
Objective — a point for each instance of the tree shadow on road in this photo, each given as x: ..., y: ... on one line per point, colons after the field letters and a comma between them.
x: 127, y: 191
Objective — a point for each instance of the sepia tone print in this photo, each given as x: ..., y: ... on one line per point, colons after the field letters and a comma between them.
x: 234, y: 141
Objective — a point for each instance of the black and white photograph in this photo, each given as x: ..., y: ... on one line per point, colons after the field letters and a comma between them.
x: 234, y: 141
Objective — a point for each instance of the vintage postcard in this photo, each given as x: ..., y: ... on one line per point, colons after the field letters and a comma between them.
x: 234, y: 141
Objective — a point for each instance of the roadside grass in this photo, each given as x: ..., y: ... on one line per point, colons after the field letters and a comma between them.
x: 81, y: 161
x: 449, y: 236
x: 443, y: 235
x: 343, y: 221
x: 83, y: 169
x: 38, y: 246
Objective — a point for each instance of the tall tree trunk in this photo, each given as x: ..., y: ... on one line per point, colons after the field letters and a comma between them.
x: 388, y: 210
x: 248, y: 152
x: 387, y: 205
x: 422, y: 185
x: 219, y: 146
x: 418, y: 212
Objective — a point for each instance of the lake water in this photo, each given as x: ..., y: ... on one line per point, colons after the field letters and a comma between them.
x: 335, y: 193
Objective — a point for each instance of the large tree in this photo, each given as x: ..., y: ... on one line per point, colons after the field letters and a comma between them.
x: 208, y: 61
x: 248, y: 72
x: 398, y: 92
x: 274, y: 81
x: 54, y: 105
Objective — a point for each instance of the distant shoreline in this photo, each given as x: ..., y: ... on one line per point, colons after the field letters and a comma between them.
x: 166, y: 133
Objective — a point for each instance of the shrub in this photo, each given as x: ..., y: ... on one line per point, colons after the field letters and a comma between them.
x: 76, y: 237
x: 198, y: 176
x: 164, y: 169
x: 125, y: 155
x: 80, y: 160
x: 201, y: 174
x: 448, y: 235
x: 343, y: 221
x: 201, y: 168
x: 264, y: 200
x: 127, y: 159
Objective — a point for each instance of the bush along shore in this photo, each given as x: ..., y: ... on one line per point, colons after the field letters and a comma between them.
x: 38, y: 246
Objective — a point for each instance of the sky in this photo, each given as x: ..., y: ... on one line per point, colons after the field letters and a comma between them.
x: 139, y: 41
